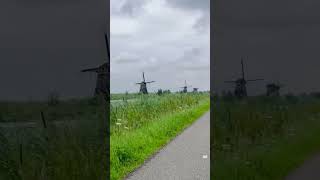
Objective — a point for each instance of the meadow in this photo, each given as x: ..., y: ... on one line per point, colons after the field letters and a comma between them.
x: 53, y: 140
x: 262, y: 138
x: 140, y: 128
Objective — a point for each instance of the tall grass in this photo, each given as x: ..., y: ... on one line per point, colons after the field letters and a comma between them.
x: 140, y: 128
x: 253, y: 138
x: 75, y: 149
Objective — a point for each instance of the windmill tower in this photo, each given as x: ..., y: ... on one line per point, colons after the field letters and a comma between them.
x: 102, y: 73
x: 143, y: 85
x: 185, y: 87
x: 273, y: 89
x: 195, y: 90
x: 240, y: 88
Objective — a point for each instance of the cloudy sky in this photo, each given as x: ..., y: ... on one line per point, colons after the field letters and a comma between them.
x: 45, y: 43
x: 167, y: 39
x: 280, y: 38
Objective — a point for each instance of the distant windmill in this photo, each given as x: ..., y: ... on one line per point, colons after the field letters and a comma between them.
x: 102, y: 73
x: 273, y: 89
x: 240, y: 88
x: 143, y: 85
x: 185, y: 87
x: 195, y: 90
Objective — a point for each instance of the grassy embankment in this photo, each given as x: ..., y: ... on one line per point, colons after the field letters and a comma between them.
x: 141, y: 128
x: 262, y: 138
x: 75, y: 148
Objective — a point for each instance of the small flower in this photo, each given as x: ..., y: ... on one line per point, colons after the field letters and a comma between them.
x: 118, y: 124
x: 119, y: 119
x: 126, y: 127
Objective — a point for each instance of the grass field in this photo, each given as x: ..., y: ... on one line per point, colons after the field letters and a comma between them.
x: 141, y: 127
x: 263, y: 138
x: 121, y: 96
x: 74, y: 148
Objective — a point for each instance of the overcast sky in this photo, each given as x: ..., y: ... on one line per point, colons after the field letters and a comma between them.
x: 44, y: 44
x: 167, y: 39
x: 280, y: 38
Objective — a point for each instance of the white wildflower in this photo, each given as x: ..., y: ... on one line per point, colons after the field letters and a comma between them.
x: 118, y: 124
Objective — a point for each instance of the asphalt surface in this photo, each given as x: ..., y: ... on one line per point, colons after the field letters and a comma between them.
x: 310, y: 170
x: 187, y: 157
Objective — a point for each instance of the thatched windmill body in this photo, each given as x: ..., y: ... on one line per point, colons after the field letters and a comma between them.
x: 102, y: 73
x: 185, y: 87
x: 195, y: 90
x: 143, y: 85
x: 273, y: 89
x: 240, y: 88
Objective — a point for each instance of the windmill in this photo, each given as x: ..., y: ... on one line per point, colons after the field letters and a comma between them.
x: 185, y: 87
x: 273, y: 89
x: 240, y: 88
x: 102, y: 73
x: 195, y: 90
x: 143, y: 85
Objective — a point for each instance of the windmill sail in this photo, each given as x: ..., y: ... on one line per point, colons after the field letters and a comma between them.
x: 240, y: 88
x: 143, y: 84
x: 107, y: 44
x: 102, y: 84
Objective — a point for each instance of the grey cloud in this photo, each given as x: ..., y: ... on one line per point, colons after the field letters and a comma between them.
x: 202, y: 6
x: 126, y: 58
x: 132, y: 7
x: 203, y: 23
x: 168, y: 53
x: 191, y: 4
x: 128, y: 7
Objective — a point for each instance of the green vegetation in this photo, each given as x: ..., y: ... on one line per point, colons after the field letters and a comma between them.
x: 142, y: 127
x: 69, y: 144
x: 262, y: 138
x: 120, y: 96
x: 61, y: 110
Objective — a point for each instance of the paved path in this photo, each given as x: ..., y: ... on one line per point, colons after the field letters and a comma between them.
x: 310, y: 170
x: 185, y: 158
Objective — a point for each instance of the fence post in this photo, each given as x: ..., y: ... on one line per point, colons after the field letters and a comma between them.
x: 20, y: 154
x: 43, y: 120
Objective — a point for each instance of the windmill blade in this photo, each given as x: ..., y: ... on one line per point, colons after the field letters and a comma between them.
x: 144, y: 80
x: 255, y: 80
x: 138, y: 83
x: 90, y: 70
x: 107, y: 44
x: 242, y: 68
x: 150, y: 82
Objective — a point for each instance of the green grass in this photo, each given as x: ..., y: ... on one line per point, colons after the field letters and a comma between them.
x: 147, y: 125
x: 64, y: 110
x: 120, y: 96
x: 263, y: 138
x: 74, y: 150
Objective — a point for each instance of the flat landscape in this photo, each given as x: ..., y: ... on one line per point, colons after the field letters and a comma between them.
x: 53, y: 140
x: 142, y: 127
x: 263, y: 138
x: 186, y: 157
